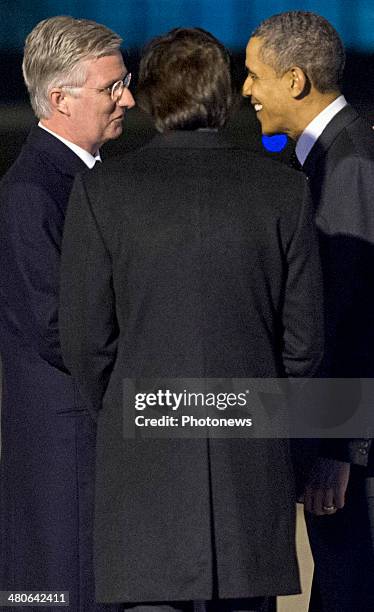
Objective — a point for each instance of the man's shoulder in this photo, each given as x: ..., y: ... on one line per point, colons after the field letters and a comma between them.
x: 254, y: 184
x: 355, y: 141
x: 343, y: 182
x: 43, y: 161
x: 34, y: 178
x: 361, y: 137
x: 252, y: 166
x: 32, y: 165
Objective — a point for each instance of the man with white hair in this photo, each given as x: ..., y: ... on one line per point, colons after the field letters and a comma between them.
x: 78, y: 86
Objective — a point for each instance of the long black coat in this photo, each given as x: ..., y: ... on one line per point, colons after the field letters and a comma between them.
x: 340, y: 168
x: 48, y: 437
x: 190, y: 258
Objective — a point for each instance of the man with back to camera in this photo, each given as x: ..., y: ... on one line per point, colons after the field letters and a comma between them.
x: 295, y: 63
x: 78, y: 86
x: 204, y: 273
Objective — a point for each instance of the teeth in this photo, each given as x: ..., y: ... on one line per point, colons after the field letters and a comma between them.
x: 258, y: 107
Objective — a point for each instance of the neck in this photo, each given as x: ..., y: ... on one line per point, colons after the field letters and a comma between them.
x: 62, y: 128
x: 310, y: 107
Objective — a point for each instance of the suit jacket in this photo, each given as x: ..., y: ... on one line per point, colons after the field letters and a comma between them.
x: 48, y: 437
x: 193, y: 259
x: 340, y: 168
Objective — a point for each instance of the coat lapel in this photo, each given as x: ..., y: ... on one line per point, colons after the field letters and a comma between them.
x: 346, y: 116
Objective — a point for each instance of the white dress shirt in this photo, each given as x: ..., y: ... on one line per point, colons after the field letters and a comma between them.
x: 86, y: 157
x: 315, y: 128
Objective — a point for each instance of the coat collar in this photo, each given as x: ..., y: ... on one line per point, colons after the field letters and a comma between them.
x: 341, y: 120
x: 186, y: 139
x: 57, y: 152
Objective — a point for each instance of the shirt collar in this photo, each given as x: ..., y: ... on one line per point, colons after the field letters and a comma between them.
x: 315, y: 128
x: 86, y: 157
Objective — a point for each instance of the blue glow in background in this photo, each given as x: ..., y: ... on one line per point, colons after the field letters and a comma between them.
x: 230, y: 20
x: 274, y: 144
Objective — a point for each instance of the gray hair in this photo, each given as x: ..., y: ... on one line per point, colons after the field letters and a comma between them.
x: 306, y: 40
x: 55, y: 54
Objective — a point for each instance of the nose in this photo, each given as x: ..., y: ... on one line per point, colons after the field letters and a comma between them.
x: 126, y: 99
x: 247, y: 87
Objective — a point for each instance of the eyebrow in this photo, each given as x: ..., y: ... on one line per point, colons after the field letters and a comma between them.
x: 111, y: 83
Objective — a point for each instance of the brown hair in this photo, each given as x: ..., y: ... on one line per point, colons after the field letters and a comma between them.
x: 185, y: 80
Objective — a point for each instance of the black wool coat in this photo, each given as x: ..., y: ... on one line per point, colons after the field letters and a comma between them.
x: 190, y: 258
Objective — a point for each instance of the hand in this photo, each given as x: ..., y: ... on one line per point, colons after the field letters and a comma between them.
x: 325, y: 492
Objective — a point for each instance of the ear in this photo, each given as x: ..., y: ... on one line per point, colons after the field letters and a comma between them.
x: 298, y: 82
x: 59, y: 101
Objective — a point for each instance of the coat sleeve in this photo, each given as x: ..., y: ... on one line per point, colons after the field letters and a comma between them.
x: 88, y: 325
x: 303, y: 298
x: 30, y: 233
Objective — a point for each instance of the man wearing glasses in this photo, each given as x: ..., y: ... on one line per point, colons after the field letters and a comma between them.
x: 78, y: 86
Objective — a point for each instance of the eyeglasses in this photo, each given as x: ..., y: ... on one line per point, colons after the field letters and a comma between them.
x: 115, y: 91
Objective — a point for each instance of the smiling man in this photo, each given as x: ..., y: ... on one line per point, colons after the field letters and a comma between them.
x: 78, y: 86
x: 287, y: 95
x: 295, y: 63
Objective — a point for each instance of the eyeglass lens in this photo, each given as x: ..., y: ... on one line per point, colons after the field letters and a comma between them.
x: 118, y: 87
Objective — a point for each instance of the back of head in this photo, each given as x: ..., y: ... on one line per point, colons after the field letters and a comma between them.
x: 185, y: 81
x: 306, y: 40
x: 55, y: 53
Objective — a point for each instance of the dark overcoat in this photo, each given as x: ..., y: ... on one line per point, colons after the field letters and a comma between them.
x: 340, y: 169
x: 190, y: 258
x: 48, y: 437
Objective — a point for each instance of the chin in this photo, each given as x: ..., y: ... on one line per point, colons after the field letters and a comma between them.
x: 117, y: 131
x: 264, y: 128
x: 266, y: 131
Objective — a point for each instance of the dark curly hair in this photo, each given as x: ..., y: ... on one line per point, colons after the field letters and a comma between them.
x: 306, y: 40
